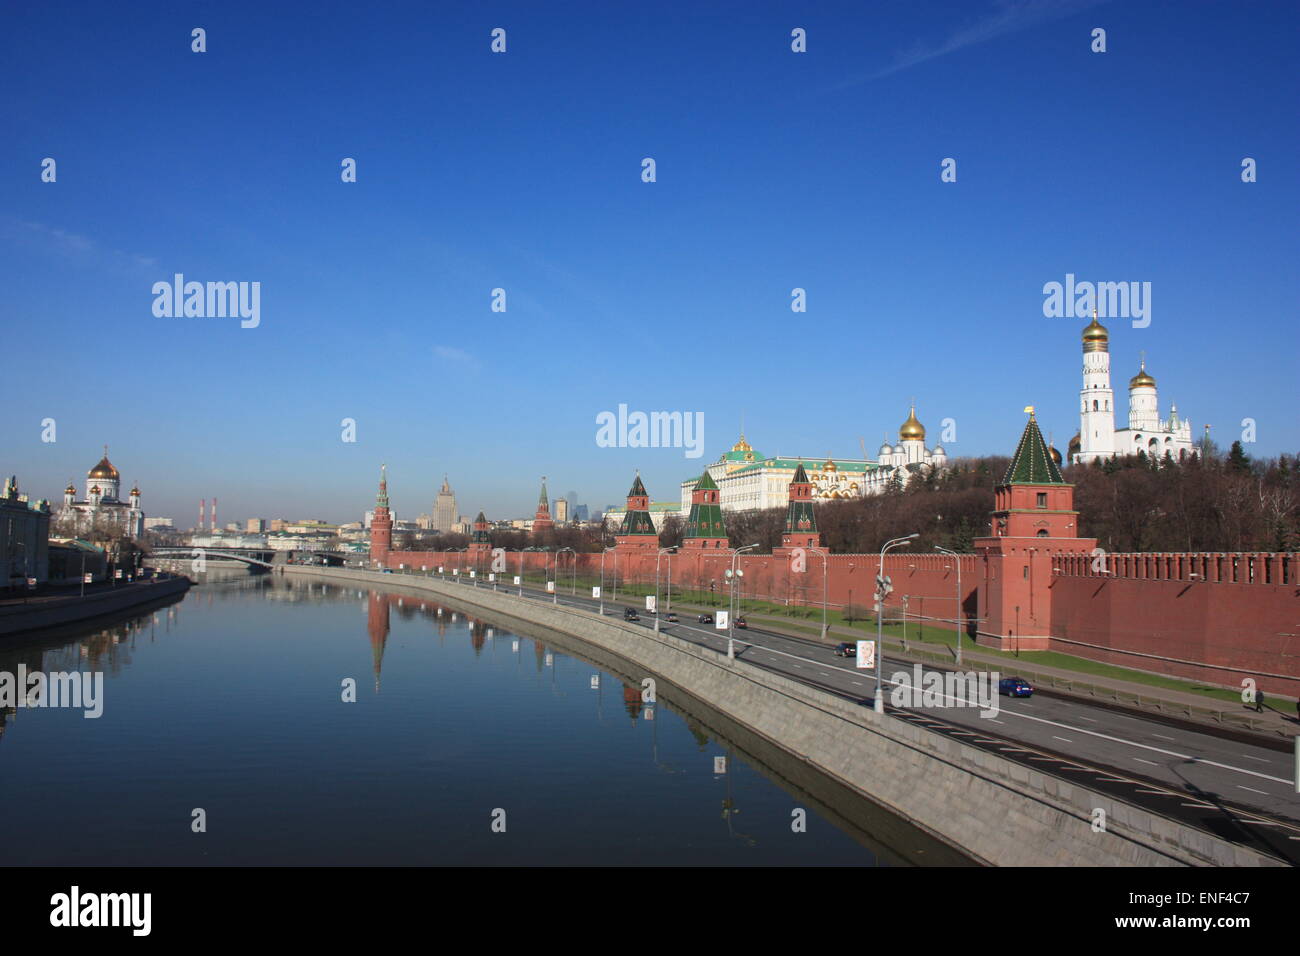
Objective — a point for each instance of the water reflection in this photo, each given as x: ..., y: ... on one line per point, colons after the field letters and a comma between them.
x: 231, y: 701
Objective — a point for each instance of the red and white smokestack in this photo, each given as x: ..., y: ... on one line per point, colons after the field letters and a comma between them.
x: 203, y: 509
x: 214, y: 514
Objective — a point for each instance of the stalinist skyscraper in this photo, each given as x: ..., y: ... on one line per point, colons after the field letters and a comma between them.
x: 444, y: 509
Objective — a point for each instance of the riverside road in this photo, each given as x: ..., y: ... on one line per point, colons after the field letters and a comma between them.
x: 1241, y: 791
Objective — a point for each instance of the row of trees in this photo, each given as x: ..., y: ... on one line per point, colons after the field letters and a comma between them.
x: 1210, y: 502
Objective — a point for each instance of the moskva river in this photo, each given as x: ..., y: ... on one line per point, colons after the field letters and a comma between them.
x: 271, y: 721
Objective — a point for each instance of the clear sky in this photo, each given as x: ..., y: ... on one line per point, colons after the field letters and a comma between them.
x: 522, y: 170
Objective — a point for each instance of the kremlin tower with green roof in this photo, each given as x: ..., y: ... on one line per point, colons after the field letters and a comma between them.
x: 1033, y: 521
x: 704, y: 525
x: 542, y: 518
x: 800, y: 521
x: 638, y: 530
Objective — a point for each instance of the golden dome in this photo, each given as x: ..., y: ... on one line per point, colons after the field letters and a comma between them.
x: 830, y: 465
x: 1095, y: 336
x: 70, y: 490
x: 104, y: 469
x: 1142, y: 379
x: 911, y: 429
x: 741, y: 445
x: 135, y: 489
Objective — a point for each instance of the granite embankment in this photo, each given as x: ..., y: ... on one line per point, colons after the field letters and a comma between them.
x: 40, y: 613
x: 994, y: 810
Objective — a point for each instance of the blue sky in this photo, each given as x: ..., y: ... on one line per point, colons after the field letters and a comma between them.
x: 522, y: 170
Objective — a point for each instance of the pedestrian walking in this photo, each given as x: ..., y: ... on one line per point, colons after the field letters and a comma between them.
x: 1259, y: 702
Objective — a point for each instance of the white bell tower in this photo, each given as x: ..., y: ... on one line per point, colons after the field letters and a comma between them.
x: 1096, y: 400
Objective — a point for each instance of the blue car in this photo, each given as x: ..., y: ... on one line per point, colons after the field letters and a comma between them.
x: 1015, y: 687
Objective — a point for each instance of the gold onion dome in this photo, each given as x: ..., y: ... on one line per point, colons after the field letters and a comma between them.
x: 104, y: 469
x: 830, y: 465
x: 70, y: 490
x: 912, y: 428
x: 741, y: 445
x: 1095, y: 336
x: 1142, y: 379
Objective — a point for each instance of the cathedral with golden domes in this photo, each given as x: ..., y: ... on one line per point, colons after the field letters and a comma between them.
x: 102, y: 509
x: 1147, y: 432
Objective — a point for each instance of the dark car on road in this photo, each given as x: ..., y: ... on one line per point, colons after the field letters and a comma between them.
x: 629, y: 614
x: 706, y: 619
x: 846, y: 649
x: 1015, y: 687
x: 741, y: 622
x: 671, y: 617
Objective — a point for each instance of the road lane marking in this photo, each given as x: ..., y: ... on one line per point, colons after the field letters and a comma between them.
x: 1083, y: 730
x: 1066, y: 739
x: 1148, y: 747
x: 1253, y: 790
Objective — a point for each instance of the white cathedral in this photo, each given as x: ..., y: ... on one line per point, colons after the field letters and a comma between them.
x: 102, y: 508
x: 1147, y: 432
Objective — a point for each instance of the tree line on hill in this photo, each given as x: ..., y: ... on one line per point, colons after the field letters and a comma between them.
x: 1209, y: 502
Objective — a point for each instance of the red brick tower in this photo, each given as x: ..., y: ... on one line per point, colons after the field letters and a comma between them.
x: 637, y: 533
x: 381, y: 525
x: 480, y: 541
x: 1033, y: 520
x: 542, y: 519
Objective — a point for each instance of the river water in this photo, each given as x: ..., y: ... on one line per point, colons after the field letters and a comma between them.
x: 465, y: 744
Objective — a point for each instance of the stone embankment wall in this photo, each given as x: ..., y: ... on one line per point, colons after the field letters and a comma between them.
x: 999, y: 812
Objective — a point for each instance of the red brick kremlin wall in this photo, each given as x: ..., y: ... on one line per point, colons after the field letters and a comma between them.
x: 1239, y: 616
x: 1212, y: 617
x: 928, y: 580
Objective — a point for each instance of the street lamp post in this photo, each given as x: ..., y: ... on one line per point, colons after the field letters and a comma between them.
x: 731, y: 617
x: 602, y: 576
x: 555, y: 591
x: 880, y: 613
x: 957, y: 615
x: 662, y: 552
x: 521, y: 572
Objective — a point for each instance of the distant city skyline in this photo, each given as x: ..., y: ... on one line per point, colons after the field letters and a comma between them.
x: 776, y: 171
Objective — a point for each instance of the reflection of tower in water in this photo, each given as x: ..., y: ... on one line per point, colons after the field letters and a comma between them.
x: 377, y: 626
x: 632, y: 701
x: 477, y: 636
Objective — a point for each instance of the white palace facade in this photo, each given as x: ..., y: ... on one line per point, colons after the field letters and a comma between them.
x: 749, y: 481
